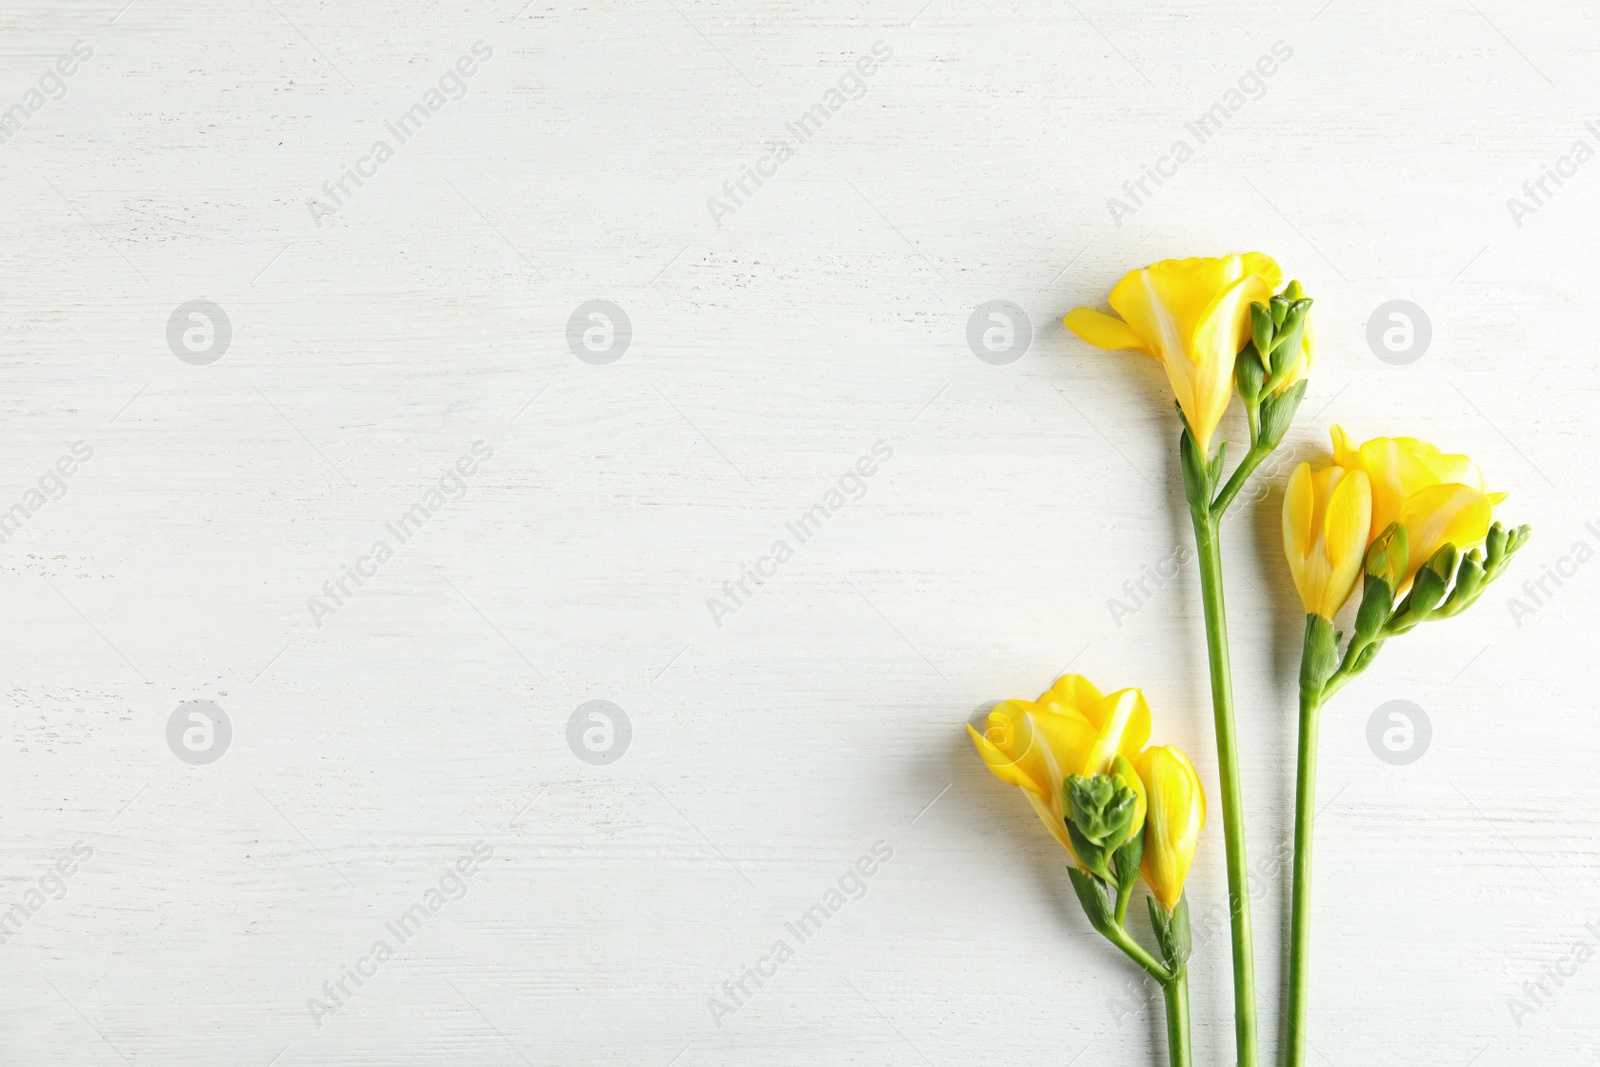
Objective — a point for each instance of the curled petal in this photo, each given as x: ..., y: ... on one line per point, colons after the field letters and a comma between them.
x: 1104, y: 331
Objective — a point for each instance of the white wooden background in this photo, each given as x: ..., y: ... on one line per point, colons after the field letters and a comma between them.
x: 428, y: 715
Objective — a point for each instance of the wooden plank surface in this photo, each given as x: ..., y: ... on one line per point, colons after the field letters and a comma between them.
x: 781, y: 339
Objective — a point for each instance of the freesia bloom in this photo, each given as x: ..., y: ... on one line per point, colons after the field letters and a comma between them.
x: 1176, y: 814
x: 1440, y: 499
x: 1194, y: 316
x: 1326, y: 517
x: 1071, y: 729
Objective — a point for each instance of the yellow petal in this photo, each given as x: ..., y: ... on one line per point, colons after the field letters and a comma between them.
x: 1299, y: 511
x: 1345, y: 454
x: 1203, y: 383
x: 1176, y: 814
x: 1397, y: 471
x: 1003, y: 766
x: 1165, y: 301
x: 1344, y: 539
x: 1054, y: 819
x: 1122, y: 720
x: 1104, y: 331
x: 1070, y: 693
x: 1444, y: 514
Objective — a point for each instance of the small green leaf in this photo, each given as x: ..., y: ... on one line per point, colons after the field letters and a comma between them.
x: 1277, y: 413
x: 1172, y: 931
x: 1196, y: 474
x: 1261, y: 329
x: 1126, y: 860
x: 1389, y: 555
x: 1092, y: 895
x: 1377, y: 603
x: 1320, y: 656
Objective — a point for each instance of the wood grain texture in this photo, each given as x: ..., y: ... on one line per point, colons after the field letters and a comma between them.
x: 429, y: 714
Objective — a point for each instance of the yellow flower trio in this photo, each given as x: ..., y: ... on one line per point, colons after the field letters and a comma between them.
x: 1194, y: 316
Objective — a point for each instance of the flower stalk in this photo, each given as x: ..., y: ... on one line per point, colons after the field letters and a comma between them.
x: 1340, y: 528
x: 1217, y: 327
x: 1122, y: 810
x: 1209, y: 549
x: 1269, y: 372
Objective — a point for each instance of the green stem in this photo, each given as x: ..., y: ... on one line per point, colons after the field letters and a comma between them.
x: 1124, y: 895
x: 1244, y: 980
x: 1119, y: 936
x: 1177, y: 994
x: 1236, y: 480
x: 1305, y: 800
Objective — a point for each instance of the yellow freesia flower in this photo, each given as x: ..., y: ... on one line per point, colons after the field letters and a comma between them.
x: 1071, y: 729
x: 1194, y: 316
x: 1176, y: 814
x: 1326, y: 518
x: 1439, y: 498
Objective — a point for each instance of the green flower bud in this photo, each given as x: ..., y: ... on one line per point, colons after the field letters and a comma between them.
x: 1277, y: 413
x: 1250, y: 373
x: 1102, y: 809
x: 1387, y: 557
x: 1377, y: 601
x: 1431, y: 583
x: 1261, y: 328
